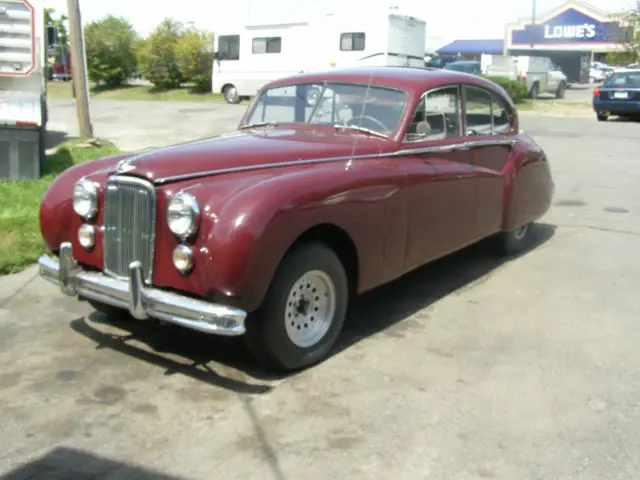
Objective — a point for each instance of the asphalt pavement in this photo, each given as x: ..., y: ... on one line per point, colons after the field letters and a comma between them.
x: 470, y: 368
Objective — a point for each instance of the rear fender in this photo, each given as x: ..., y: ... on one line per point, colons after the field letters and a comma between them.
x: 529, y: 186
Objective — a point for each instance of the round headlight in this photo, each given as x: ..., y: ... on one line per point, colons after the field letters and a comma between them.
x: 85, y: 198
x: 183, y: 215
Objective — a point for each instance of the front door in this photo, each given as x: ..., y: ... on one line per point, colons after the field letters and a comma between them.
x: 441, y: 180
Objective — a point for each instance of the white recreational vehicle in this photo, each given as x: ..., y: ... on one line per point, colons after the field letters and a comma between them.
x: 249, y: 56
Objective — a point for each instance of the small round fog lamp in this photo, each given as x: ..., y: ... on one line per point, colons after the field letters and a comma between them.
x: 87, y: 236
x: 183, y: 258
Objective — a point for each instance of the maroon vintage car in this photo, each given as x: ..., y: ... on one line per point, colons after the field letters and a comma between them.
x: 334, y: 184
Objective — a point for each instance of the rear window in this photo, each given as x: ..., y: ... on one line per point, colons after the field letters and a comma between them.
x: 626, y: 79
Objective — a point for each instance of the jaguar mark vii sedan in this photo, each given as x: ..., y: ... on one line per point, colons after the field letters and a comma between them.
x: 333, y: 184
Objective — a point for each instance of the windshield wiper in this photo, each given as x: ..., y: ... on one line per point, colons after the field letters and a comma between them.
x: 361, y: 129
x: 258, y: 124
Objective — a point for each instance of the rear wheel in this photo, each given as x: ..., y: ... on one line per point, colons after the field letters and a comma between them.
x: 514, y: 241
x: 602, y: 117
x: 303, y: 312
x: 230, y: 93
x: 535, y: 91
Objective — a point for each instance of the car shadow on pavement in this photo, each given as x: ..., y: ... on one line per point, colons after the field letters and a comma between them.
x: 71, y: 464
x: 224, y: 362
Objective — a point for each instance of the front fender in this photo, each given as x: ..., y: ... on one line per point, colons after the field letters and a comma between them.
x: 248, y: 233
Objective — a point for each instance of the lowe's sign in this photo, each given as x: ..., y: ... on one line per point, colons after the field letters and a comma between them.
x: 570, y: 26
x: 564, y: 32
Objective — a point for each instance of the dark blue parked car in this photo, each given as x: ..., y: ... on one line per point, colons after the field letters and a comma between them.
x: 618, y: 95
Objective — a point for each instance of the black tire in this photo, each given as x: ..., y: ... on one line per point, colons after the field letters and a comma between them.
x: 602, y: 117
x: 535, y: 91
x: 267, y: 338
x: 561, y: 89
x: 109, y: 311
x: 514, y: 241
x: 231, y: 95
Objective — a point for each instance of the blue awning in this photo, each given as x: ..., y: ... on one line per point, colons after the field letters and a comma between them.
x: 476, y: 47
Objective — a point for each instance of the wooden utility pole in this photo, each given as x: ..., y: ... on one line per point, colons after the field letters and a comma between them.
x: 79, y: 66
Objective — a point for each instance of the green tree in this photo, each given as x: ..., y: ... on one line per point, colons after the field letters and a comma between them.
x: 157, y: 55
x: 194, y: 56
x: 109, y: 46
x: 628, y: 35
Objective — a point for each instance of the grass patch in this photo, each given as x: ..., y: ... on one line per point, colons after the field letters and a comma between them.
x: 20, y: 240
x: 556, y: 107
x: 134, y: 92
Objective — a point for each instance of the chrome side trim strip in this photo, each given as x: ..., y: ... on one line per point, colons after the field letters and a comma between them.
x: 465, y: 145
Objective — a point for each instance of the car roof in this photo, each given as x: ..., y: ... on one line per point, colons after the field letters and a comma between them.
x: 413, y: 80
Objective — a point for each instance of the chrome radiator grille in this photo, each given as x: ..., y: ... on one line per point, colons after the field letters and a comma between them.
x: 129, y: 225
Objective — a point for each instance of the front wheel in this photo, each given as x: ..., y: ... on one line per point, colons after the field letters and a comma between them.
x: 303, y: 312
x: 561, y: 89
x: 108, y: 310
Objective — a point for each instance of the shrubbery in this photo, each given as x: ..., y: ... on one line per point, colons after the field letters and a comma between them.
x: 109, y: 47
x: 169, y: 57
x: 515, y: 89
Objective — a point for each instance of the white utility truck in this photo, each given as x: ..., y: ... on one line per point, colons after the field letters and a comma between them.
x: 249, y: 56
x: 539, y: 74
x: 23, y: 112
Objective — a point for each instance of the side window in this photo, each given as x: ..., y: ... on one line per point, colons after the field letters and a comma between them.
x: 352, y: 41
x: 266, y: 45
x: 478, y: 119
x: 437, y: 116
x: 229, y: 47
x: 501, y: 116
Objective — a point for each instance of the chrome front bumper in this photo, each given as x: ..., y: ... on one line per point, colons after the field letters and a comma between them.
x: 143, y: 302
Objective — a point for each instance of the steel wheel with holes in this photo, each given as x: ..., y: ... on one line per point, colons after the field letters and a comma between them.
x: 303, y: 312
x: 516, y: 240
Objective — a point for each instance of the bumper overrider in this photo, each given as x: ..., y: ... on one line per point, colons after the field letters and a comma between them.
x: 143, y: 302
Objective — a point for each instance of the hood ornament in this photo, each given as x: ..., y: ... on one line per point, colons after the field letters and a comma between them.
x: 124, y: 167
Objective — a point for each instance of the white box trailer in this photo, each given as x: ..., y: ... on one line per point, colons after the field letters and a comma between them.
x: 249, y: 56
x: 22, y: 89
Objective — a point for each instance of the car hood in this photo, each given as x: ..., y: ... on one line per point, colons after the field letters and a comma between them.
x: 248, y: 150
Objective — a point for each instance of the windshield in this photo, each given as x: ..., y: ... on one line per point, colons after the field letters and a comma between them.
x: 331, y: 103
x: 626, y: 79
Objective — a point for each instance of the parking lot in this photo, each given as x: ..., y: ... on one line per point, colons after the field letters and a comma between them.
x: 470, y: 368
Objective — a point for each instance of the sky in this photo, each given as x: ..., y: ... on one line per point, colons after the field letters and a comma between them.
x: 446, y: 21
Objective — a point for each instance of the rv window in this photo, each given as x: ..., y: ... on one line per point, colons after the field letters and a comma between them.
x: 229, y: 47
x: 267, y: 45
x: 352, y: 41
